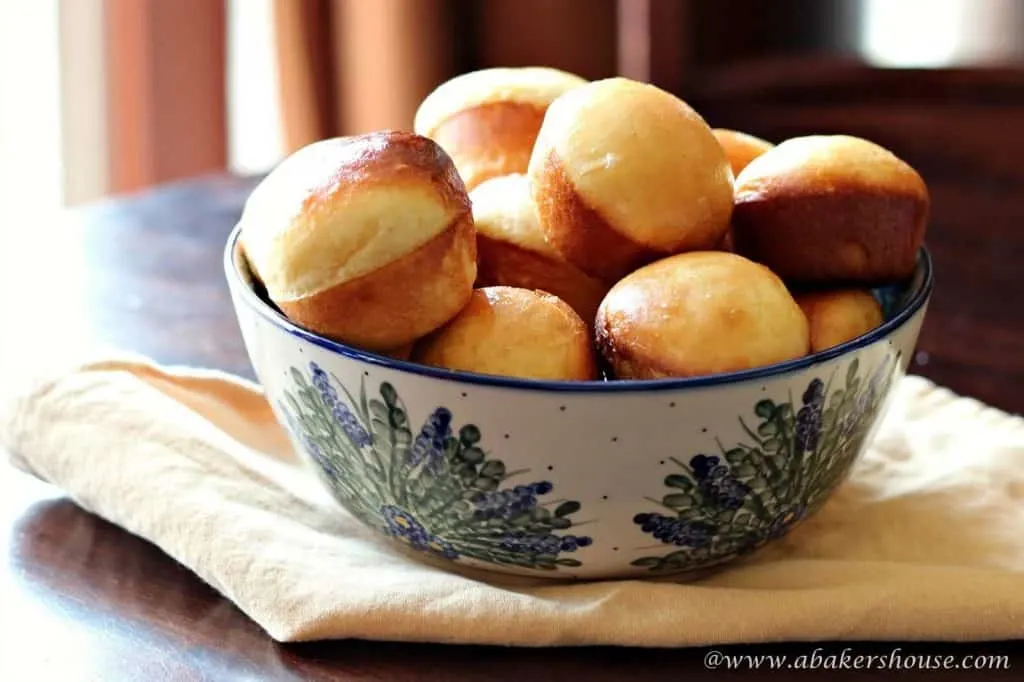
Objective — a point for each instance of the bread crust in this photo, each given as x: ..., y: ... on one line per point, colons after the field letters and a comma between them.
x: 696, y: 314
x: 368, y: 239
x: 535, y: 85
x: 831, y: 209
x: 399, y: 302
x: 838, y: 316
x: 740, y: 148
x: 508, y: 331
x: 340, y: 208
x: 504, y: 263
x: 579, y: 232
x: 623, y: 173
x: 513, y: 251
x: 490, y: 140
x: 866, y: 235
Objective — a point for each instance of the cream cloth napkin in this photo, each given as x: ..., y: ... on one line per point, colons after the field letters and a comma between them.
x: 925, y: 542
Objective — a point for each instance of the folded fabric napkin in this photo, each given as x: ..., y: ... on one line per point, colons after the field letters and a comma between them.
x: 925, y: 542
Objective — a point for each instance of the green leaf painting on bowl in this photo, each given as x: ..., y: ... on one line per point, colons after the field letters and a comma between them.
x: 435, y: 489
x: 727, y: 504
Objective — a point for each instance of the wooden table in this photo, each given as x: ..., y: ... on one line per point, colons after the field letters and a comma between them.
x: 82, y: 600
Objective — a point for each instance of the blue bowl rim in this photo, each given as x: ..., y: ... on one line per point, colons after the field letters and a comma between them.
x: 599, y: 386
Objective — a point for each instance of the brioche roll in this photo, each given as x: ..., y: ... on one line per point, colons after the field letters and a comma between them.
x: 512, y: 250
x: 513, y: 332
x: 740, y: 148
x: 488, y: 120
x: 839, y: 316
x: 368, y: 240
x: 831, y: 209
x: 624, y: 173
x: 699, y: 313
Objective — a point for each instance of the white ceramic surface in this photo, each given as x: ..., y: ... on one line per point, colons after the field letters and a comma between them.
x: 577, y: 480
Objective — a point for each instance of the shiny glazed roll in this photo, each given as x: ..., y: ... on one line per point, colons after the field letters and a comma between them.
x: 488, y: 120
x: 512, y: 250
x: 513, y: 332
x: 740, y: 148
x: 696, y: 314
x: 624, y: 173
x: 368, y: 240
x: 839, y: 316
x: 831, y: 209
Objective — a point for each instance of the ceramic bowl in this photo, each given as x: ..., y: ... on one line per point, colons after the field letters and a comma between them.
x: 578, y: 479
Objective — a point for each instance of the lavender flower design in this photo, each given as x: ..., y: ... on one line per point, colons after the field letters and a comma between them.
x: 342, y: 415
x: 436, y: 492
x: 726, y: 505
x: 429, y: 443
x: 808, y: 419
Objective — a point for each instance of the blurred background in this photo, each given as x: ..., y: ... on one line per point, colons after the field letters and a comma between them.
x: 110, y: 96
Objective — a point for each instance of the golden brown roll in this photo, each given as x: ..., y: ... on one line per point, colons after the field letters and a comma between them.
x: 624, y: 173
x: 839, y: 316
x: 512, y: 250
x: 368, y: 239
x: 740, y: 148
x: 699, y: 313
x: 488, y: 120
x: 831, y: 209
x: 513, y: 332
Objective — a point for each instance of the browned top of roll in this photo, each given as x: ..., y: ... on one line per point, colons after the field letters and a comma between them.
x: 642, y: 159
x: 740, y: 148
x: 839, y: 315
x: 826, y: 164
x: 699, y: 313
x: 509, y: 331
x: 340, y: 208
x: 531, y: 85
x: 504, y: 211
x: 388, y: 159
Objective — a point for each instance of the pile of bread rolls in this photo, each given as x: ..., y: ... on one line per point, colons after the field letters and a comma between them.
x: 541, y: 226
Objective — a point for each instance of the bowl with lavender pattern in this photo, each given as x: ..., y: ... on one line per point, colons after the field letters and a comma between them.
x: 577, y: 480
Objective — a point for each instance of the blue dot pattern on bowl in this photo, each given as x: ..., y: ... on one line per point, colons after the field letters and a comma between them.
x: 728, y: 504
x: 434, y: 490
x: 438, y: 492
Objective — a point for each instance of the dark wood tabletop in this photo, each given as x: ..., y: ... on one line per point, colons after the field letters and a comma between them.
x: 82, y: 600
